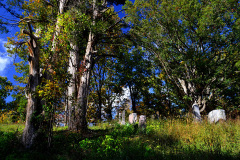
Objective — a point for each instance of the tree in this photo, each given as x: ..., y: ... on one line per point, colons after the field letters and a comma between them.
x: 51, y: 40
x: 97, y: 34
x: 5, y: 88
x: 133, y: 70
x: 193, y: 40
x: 99, y: 76
x: 33, y: 42
x: 34, y: 108
x: 105, y: 88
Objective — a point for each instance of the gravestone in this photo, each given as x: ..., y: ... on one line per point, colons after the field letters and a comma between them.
x: 152, y: 116
x: 142, y: 122
x: 196, y: 112
x: 120, y: 117
x: 215, y: 115
x: 133, y: 118
x: 123, y: 118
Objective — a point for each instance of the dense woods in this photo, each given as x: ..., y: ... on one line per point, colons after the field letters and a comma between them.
x: 83, y: 63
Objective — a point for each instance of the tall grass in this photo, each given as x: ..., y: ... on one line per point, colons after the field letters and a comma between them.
x: 11, y: 127
x: 162, y: 139
x: 202, y: 139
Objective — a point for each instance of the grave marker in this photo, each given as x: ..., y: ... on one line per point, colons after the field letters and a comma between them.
x: 215, y: 115
x: 142, y: 122
x: 133, y: 118
x: 123, y: 118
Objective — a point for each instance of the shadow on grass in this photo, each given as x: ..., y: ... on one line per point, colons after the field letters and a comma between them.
x: 118, y: 143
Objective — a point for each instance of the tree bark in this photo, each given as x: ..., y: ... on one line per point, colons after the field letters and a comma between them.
x: 99, y: 114
x: 133, y: 99
x: 80, y: 115
x: 34, y: 108
x: 80, y: 118
x: 72, y: 88
x: 57, y: 29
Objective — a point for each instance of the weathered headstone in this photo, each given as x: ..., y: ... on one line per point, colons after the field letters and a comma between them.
x: 152, y: 116
x: 196, y: 112
x: 120, y: 117
x: 123, y: 118
x: 142, y: 121
x: 215, y: 115
x: 133, y: 118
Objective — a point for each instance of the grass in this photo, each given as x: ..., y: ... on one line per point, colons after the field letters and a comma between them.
x: 163, y: 139
x: 11, y: 127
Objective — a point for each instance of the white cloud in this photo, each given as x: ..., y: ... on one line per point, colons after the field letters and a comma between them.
x: 2, y: 42
x: 5, y: 60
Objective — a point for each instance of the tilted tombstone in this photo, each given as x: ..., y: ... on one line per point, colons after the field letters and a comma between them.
x: 215, y: 115
x: 120, y: 117
x: 133, y: 118
x: 123, y: 117
x: 196, y: 112
x: 142, y: 121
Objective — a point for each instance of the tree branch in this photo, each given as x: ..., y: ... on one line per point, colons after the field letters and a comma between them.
x: 109, y: 28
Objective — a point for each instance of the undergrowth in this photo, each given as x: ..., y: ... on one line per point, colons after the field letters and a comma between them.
x: 162, y: 139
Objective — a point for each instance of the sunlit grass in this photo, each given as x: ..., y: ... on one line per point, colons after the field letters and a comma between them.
x: 12, y: 127
x: 221, y: 138
x: 162, y: 139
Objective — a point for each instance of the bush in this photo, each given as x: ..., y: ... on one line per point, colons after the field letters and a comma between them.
x: 9, y: 117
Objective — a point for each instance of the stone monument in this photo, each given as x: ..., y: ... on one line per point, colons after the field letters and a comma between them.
x: 133, y: 118
x: 215, y: 115
x: 142, y: 122
x: 123, y: 118
x: 120, y: 117
x: 196, y: 112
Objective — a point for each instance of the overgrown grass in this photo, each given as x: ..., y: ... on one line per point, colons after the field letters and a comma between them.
x: 11, y: 127
x: 163, y: 139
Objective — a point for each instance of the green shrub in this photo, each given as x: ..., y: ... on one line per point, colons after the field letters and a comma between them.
x: 8, y: 143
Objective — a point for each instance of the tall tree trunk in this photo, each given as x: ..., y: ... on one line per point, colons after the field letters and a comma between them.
x: 80, y: 118
x: 197, y: 101
x: 72, y: 88
x: 109, y: 110
x: 34, y: 108
x: 62, y: 4
x: 81, y: 110
x: 99, y: 112
x: 66, y: 122
x: 133, y: 99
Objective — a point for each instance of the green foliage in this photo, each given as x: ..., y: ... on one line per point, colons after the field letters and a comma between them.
x: 8, y: 142
x: 164, y: 139
x: 135, y: 71
x: 194, y: 42
x: 5, y: 88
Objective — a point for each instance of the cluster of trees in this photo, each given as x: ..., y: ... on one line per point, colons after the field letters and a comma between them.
x: 77, y: 56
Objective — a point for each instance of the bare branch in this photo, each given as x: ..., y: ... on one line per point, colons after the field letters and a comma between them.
x: 109, y: 28
x: 31, y: 35
x: 48, y: 3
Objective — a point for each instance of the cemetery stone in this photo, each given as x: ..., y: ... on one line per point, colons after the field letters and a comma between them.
x: 123, y: 118
x: 196, y: 112
x: 133, y: 118
x: 142, y: 121
x: 120, y: 117
x: 215, y: 115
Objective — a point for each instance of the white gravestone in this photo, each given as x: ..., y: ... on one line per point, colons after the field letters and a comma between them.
x: 142, y: 121
x: 196, y: 112
x: 216, y: 115
x: 133, y: 118
x: 123, y: 117
x: 120, y: 117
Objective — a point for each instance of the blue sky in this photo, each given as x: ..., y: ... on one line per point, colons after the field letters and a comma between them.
x: 6, y: 62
